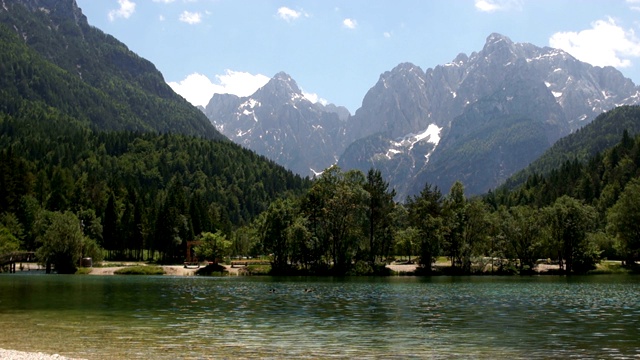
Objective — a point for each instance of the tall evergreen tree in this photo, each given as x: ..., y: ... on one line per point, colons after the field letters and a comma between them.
x: 426, y: 215
x: 455, y: 208
x: 379, y: 208
x: 110, y: 226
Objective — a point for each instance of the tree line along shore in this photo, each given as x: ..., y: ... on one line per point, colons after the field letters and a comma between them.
x: 341, y: 223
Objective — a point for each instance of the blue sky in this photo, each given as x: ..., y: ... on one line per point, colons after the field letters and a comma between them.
x: 336, y: 50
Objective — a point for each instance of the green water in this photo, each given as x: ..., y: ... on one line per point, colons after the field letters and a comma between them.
x: 119, y: 317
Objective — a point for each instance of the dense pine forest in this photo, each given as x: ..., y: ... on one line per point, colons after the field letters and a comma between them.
x: 99, y: 158
x: 130, y: 191
x: 602, y: 133
x: 575, y: 216
x: 144, y: 195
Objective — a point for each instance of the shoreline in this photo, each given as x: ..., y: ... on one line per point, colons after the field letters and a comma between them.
x: 180, y: 270
x: 8, y: 354
x: 170, y: 270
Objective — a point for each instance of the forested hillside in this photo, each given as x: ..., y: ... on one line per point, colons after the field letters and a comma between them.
x: 608, y: 183
x: 49, y: 54
x: 131, y: 191
x: 604, y: 132
x: 598, y: 180
x: 92, y: 136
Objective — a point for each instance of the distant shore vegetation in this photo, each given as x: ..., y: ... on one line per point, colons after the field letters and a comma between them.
x: 167, y: 199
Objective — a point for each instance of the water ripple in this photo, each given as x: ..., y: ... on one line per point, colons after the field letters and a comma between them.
x: 201, y: 318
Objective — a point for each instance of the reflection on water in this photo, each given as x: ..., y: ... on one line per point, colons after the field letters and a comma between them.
x: 114, y: 317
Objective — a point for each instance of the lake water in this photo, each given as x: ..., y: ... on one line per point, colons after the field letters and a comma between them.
x: 120, y: 317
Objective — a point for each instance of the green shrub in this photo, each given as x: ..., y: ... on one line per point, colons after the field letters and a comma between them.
x: 83, y: 271
x: 609, y: 267
x: 140, y: 270
x: 258, y: 270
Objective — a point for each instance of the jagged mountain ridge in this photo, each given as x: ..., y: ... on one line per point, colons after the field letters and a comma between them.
x: 277, y: 121
x: 478, y: 119
x: 480, y: 103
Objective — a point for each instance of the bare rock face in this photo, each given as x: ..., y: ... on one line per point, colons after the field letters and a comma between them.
x: 477, y: 119
x: 496, y: 110
x: 277, y: 121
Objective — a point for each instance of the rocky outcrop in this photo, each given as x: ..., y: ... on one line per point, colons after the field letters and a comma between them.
x: 508, y: 100
x: 277, y: 121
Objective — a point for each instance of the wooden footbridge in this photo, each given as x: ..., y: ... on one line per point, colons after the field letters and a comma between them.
x: 16, y: 257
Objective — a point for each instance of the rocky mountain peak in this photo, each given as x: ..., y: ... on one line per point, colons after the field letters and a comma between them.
x: 477, y: 118
x: 395, y: 105
x: 281, y: 87
x: 402, y: 73
x: 499, y: 50
x: 406, y: 67
x: 496, y: 39
x: 480, y: 104
x: 460, y: 59
x: 277, y: 121
x: 283, y: 76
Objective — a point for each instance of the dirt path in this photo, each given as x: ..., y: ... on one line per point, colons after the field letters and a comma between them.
x: 402, y: 268
x: 172, y: 270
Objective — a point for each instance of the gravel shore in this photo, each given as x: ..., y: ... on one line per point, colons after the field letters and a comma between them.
x: 21, y: 355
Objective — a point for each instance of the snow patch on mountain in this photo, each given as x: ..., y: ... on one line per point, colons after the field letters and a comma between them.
x: 406, y: 143
x: 432, y: 134
x: 251, y: 103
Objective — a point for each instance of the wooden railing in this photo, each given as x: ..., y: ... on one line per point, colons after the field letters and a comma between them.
x: 17, y: 257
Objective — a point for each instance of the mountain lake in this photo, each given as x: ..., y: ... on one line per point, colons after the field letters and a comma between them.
x: 165, y: 317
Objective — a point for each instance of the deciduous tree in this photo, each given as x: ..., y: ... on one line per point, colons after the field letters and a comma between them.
x: 61, y: 242
x: 624, y: 221
x: 570, y: 221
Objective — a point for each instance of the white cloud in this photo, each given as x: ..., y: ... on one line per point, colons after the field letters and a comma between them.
x: 314, y: 98
x: 198, y: 89
x: 605, y: 44
x: 190, y: 18
x: 386, y: 35
x: 161, y: 18
x: 634, y: 4
x: 497, y: 5
x: 289, y: 14
x: 349, y: 23
x: 164, y: 1
x: 127, y: 8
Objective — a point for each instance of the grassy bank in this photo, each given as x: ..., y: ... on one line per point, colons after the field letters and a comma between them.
x: 140, y: 270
